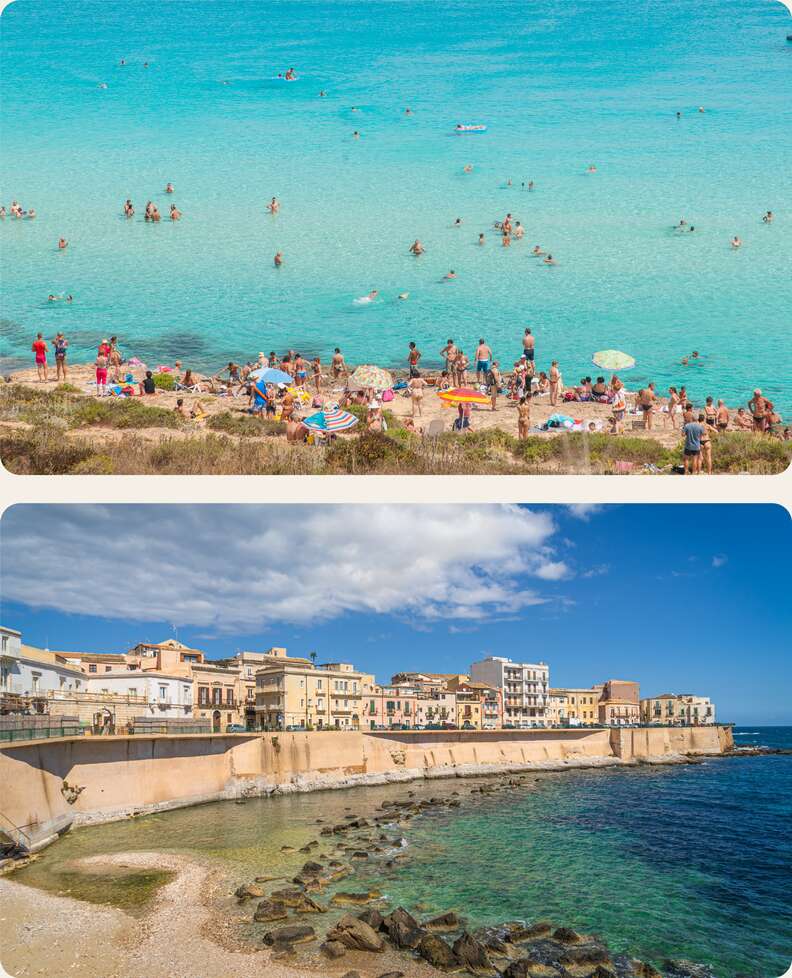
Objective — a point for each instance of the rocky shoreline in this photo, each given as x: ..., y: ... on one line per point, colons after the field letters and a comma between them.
x: 443, y: 942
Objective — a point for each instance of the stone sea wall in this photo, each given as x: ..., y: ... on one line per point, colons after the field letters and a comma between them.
x: 45, y: 786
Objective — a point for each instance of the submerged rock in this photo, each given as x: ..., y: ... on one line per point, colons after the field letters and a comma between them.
x: 333, y: 949
x: 291, y: 934
x: 443, y: 922
x: 248, y: 891
x: 682, y: 968
x: 528, y: 968
x: 270, y: 910
x: 344, y: 899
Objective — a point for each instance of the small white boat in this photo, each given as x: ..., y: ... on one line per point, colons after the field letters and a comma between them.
x: 460, y: 128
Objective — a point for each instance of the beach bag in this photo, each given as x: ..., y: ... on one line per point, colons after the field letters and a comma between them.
x: 387, y: 395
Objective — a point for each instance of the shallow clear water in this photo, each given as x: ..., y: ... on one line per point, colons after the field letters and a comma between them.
x: 560, y: 85
x: 661, y: 862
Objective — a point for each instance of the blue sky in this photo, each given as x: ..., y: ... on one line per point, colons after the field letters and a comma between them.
x: 685, y: 598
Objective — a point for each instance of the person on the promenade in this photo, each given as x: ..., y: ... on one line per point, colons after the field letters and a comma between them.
x: 529, y: 344
x: 758, y: 409
x: 523, y: 417
x: 554, y: 378
x: 39, y: 348
x: 693, y: 431
x: 413, y: 359
x: 60, y: 345
x: 416, y: 386
x: 483, y: 360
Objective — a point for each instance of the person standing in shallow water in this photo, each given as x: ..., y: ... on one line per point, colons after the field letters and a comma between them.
x: 413, y: 359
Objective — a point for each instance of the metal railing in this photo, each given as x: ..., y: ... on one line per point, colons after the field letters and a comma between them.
x: 12, y: 831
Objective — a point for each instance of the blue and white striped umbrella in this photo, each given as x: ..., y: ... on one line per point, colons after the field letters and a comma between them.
x: 269, y: 375
x: 331, y: 419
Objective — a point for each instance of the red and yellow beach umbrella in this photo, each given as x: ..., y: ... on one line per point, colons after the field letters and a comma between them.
x: 463, y: 395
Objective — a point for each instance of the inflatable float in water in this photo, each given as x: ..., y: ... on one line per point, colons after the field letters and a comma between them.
x: 460, y: 128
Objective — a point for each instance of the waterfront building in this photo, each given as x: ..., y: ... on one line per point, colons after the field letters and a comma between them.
x: 146, y: 693
x: 428, y: 682
x: 523, y: 686
x: 619, y: 703
x: 677, y: 709
x: 390, y: 707
x: 437, y: 709
x: 293, y: 693
x: 575, y: 706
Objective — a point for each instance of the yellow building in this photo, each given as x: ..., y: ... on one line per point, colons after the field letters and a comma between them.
x: 580, y: 706
x: 295, y: 693
x: 677, y: 709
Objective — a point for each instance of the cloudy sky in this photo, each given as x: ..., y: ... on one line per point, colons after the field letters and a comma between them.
x: 687, y: 598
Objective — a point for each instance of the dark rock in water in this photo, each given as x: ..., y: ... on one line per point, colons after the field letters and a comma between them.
x: 400, y: 916
x: 291, y: 934
x: 473, y: 955
x: 371, y: 917
x: 641, y: 969
x: 540, y: 929
x: 566, y: 935
x: 270, y: 910
x: 528, y: 968
x: 392, y: 974
x: 585, y: 954
x: 341, y: 898
x: 686, y: 969
x: 333, y: 949
x: 356, y: 934
x: 359, y: 854
x: 351, y: 974
x: 435, y: 950
x: 312, y: 868
x: 443, y: 922
x: 248, y: 891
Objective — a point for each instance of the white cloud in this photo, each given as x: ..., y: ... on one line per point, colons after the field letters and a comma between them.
x: 719, y: 560
x: 584, y: 511
x: 599, y: 570
x: 242, y: 568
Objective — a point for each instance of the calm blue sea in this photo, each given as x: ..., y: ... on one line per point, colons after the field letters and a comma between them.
x: 560, y: 84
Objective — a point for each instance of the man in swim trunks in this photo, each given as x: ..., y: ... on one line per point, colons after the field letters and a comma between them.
x: 337, y: 364
x: 554, y: 378
x: 483, y: 358
x: 448, y: 353
x: 646, y: 402
x: 757, y: 406
x: 692, y: 430
x: 416, y: 248
x: 39, y: 349
x: 529, y: 344
x: 413, y: 359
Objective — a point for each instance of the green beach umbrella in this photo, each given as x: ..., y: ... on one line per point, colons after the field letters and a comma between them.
x: 613, y: 360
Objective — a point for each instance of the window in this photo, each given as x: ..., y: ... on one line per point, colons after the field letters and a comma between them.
x: 133, y: 690
x: 217, y: 696
x: 5, y: 642
x: 108, y: 668
x: 92, y: 667
x: 318, y: 683
x: 203, y: 696
x: 163, y: 692
x: 230, y: 696
x: 35, y: 677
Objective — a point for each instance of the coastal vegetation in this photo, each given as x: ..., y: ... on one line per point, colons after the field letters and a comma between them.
x: 60, y: 432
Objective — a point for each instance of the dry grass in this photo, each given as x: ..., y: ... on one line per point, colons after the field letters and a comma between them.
x: 54, y: 433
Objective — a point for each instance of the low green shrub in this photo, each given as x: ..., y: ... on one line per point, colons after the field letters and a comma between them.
x: 165, y: 382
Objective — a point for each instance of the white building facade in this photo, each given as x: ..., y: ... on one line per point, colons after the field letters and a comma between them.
x: 524, y: 686
x: 165, y: 696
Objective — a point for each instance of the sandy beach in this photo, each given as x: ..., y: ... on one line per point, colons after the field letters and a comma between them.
x: 180, y: 935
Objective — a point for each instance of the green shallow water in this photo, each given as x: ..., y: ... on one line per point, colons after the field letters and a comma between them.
x: 660, y: 862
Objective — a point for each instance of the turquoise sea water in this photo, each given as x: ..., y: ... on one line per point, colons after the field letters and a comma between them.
x: 559, y: 83
x: 661, y: 862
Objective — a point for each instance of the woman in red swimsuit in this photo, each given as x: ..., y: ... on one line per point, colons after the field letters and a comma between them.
x: 40, y: 350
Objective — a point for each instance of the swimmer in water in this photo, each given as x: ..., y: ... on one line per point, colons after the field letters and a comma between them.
x: 408, y: 111
x: 701, y: 108
x: 323, y: 94
x: 679, y: 116
x: 372, y: 295
x: 278, y: 259
x: 458, y: 223
x: 168, y: 188
x: 145, y: 64
x: 519, y: 230
x: 591, y: 168
x: 416, y: 248
x: 481, y: 239
x: 356, y: 135
x: 530, y: 185
x: 129, y: 210
x: 175, y: 213
x: 467, y: 168
x: 31, y: 214
x: 122, y: 62
x: 536, y: 250
x: 449, y: 275
x: 273, y: 206
x: 290, y: 75
x: 768, y: 218
x: 103, y: 85
x: 736, y: 242
x: 404, y: 295
x: 62, y: 244
x: 550, y: 260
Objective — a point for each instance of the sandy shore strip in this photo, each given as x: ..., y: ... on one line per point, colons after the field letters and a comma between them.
x: 482, y: 418
x: 181, y: 936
